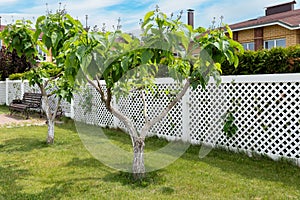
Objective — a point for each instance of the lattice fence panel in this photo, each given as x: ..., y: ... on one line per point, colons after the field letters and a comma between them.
x: 2, y: 92
x: 266, y: 114
x: 14, y: 90
x: 33, y: 89
x: 169, y: 127
x: 91, y: 111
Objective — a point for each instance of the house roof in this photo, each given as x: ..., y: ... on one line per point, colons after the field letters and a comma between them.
x: 288, y: 19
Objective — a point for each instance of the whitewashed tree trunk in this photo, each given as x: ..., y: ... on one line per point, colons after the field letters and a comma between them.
x: 50, y: 122
x: 50, y: 118
x: 50, y: 137
x: 138, y: 168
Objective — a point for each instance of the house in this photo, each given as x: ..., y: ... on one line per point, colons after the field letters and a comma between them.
x: 280, y: 27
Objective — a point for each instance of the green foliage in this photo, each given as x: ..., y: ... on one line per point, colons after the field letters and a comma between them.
x: 216, y: 49
x: 19, y: 37
x: 229, y: 127
x: 112, y: 55
x: 16, y: 76
x: 56, y: 29
x: 275, y: 60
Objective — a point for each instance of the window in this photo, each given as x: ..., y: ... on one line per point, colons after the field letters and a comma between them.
x: 269, y: 44
x: 43, y: 54
x: 248, y: 46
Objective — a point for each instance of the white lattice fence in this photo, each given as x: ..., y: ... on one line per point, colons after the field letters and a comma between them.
x: 265, y: 108
x: 2, y: 92
x: 266, y: 112
x: 91, y: 111
x: 14, y: 89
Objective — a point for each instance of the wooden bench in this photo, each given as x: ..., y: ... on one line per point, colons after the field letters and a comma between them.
x: 29, y: 102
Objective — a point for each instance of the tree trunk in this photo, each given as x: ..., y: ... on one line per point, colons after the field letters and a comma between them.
x: 50, y: 120
x: 138, y: 167
x: 50, y: 138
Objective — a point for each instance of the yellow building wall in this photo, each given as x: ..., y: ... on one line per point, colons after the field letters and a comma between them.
x: 272, y: 32
x: 246, y: 36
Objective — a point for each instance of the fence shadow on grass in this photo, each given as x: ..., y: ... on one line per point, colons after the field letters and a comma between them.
x: 256, y: 167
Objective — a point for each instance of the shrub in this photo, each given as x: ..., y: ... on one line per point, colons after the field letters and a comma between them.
x: 11, y: 63
x: 276, y: 60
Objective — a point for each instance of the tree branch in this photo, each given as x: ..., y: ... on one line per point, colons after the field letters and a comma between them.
x: 98, y: 88
x: 51, y: 79
x: 149, y: 124
x: 107, y: 102
x: 56, y: 108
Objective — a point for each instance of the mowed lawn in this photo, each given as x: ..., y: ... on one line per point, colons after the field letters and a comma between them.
x: 30, y: 169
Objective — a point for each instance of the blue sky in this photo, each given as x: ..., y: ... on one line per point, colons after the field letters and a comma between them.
x: 130, y: 12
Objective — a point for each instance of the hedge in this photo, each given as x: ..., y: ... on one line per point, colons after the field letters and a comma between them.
x: 276, y: 60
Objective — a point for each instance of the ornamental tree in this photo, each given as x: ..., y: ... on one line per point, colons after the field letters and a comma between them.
x: 50, y: 34
x: 192, y: 56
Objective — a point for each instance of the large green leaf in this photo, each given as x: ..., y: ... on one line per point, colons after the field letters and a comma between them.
x: 146, y: 56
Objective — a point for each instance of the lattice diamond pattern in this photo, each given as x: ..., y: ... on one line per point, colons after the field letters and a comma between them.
x: 170, y: 126
x: 267, y: 115
x: 98, y: 115
x: 14, y: 90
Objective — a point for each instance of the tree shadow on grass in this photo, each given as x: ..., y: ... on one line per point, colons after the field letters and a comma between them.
x: 256, y: 167
x: 9, y: 175
x: 89, y: 162
x: 60, y: 188
x: 22, y: 145
x: 126, y: 178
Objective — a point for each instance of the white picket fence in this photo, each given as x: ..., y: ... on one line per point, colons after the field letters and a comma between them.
x: 265, y: 108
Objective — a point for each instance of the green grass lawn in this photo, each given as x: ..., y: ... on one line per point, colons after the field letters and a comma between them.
x: 30, y: 169
x: 3, y: 109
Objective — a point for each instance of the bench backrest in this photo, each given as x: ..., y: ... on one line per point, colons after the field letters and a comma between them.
x: 33, y: 99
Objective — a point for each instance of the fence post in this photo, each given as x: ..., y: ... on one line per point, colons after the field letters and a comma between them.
x: 6, y: 91
x: 72, y: 109
x: 22, y: 89
x: 186, y: 117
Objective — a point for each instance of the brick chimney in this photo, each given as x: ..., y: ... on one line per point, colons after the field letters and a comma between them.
x: 190, y: 14
x: 280, y: 8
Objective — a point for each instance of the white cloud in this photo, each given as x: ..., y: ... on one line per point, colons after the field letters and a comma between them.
x: 168, y: 6
x: 7, y: 2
